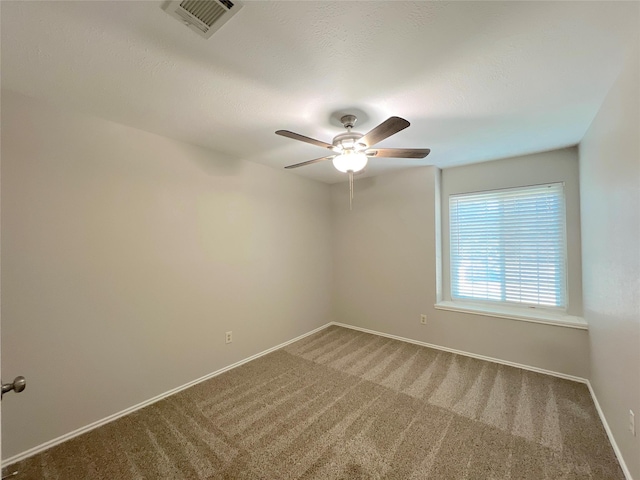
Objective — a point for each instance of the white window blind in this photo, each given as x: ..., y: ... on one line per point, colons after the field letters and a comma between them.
x: 509, y: 246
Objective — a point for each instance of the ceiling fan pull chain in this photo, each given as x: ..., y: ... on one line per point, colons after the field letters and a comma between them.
x: 350, y: 189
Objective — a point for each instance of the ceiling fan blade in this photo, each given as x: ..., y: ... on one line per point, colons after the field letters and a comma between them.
x: 310, y: 162
x: 302, y: 138
x: 387, y: 128
x: 399, y: 152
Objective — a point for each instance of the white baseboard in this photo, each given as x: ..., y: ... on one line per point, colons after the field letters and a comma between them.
x: 607, y: 429
x: 468, y: 354
x: 68, y: 436
x: 612, y: 440
x: 40, y: 448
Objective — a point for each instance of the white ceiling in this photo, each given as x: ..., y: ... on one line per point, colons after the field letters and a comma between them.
x: 477, y: 80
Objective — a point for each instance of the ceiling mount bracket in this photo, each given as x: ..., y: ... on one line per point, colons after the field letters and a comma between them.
x: 348, y: 120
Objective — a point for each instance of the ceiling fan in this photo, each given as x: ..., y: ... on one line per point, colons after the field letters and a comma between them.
x: 351, y: 150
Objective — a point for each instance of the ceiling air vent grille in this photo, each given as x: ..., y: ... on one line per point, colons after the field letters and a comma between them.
x: 203, y: 16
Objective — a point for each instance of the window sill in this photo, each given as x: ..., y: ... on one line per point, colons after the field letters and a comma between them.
x: 515, y: 313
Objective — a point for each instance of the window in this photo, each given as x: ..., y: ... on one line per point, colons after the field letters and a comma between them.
x: 509, y: 246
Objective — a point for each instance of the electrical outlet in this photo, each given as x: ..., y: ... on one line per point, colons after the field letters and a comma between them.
x: 423, y: 319
x: 228, y: 337
x: 632, y: 423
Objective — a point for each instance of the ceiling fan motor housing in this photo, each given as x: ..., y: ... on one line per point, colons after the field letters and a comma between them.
x: 348, y: 141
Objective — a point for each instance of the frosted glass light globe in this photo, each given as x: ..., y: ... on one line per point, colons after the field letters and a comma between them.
x: 350, y: 160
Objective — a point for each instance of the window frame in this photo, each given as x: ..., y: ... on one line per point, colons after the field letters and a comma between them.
x: 488, y: 304
x: 539, y: 168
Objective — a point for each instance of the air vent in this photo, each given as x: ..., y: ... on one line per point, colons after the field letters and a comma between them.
x: 204, y: 17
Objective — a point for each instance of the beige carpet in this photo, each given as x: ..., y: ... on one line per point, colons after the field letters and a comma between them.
x: 342, y: 404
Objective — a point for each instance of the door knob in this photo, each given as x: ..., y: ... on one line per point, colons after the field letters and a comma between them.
x: 18, y: 385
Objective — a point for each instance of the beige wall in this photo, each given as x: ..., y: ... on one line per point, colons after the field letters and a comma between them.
x: 125, y: 258
x: 385, y: 276
x: 610, y: 194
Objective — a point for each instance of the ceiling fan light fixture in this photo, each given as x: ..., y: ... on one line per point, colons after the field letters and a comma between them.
x: 352, y: 149
x: 350, y: 160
